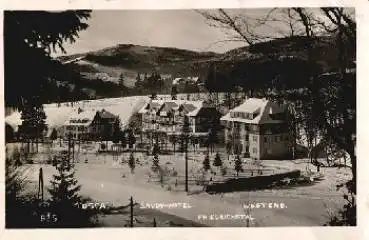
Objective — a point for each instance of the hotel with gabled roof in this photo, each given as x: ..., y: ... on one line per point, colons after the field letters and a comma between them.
x: 258, y: 129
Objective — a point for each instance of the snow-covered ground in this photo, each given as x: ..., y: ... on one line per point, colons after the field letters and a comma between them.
x: 108, y: 179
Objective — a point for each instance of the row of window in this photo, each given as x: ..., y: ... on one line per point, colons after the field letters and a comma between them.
x: 79, y: 120
x: 247, y: 127
x: 276, y: 139
x: 244, y: 115
x: 76, y: 128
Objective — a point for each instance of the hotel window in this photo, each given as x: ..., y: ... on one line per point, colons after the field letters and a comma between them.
x: 255, y: 138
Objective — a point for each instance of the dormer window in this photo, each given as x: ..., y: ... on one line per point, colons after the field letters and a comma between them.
x: 244, y: 115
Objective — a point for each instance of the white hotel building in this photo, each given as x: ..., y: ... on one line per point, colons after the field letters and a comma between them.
x: 258, y: 129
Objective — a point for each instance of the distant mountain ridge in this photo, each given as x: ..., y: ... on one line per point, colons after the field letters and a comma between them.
x: 237, y: 65
x: 126, y: 52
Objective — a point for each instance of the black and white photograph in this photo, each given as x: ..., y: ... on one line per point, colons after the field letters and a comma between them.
x: 223, y: 117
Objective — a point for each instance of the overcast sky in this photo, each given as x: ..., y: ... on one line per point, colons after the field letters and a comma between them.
x: 185, y: 29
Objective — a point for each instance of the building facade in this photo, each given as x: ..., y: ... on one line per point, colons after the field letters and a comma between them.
x: 258, y: 129
x: 90, y: 125
x: 167, y: 117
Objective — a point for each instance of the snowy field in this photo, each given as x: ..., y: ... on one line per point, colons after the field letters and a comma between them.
x: 108, y: 178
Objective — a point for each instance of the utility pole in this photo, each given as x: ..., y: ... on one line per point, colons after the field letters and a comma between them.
x: 40, y: 192
x: 186, y: 161
x: 154, y: 222
x: 131, y: 205
x: 73, y: 150
x: 185, y: 131
x: 69, y: 146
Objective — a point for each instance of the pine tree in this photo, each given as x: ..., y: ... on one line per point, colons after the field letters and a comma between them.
x: 33, y: 120
x: 154, y: 96
x: 138, y: 82
x: 174, y: 93
x: 117, y: 131
x: 20, y: 210
x: 123, y: 139
x: 138, y: 78
x: 17, y: 157
x: 213, y: 134
x: 53, y: 135
x: 65, y: 201
x: 155, y: 162
x: 217, y: 161
x: 131, y: 138
x: 238, y: 165
x: 206, y: 163
x: 121, y: 80
x: 20, y: 45
x: 132, y: 162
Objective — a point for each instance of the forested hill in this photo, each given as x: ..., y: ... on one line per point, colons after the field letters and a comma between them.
x: 281, y: 60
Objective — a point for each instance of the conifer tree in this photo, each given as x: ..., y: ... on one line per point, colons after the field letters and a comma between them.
x: 217, y: 161
x: 206, y: 163
x: 65, y: 202
x: 132, y: 163
x: 121, y: 80
x: 20, y: 210
x: 117, y: 134
x: 131, y: 138
x: 174, y: 93
x: 155, y: 162
x: 33, y: 121
x: 238, y: 165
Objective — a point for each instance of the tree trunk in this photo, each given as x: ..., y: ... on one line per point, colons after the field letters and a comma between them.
x: 36, y: 144
x: 327, y: 155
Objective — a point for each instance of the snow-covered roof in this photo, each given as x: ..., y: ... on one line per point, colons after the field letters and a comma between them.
x: 251, y: 105
x: 83, y: 118
x: 194, y: 79
x: 188, y: 79
x: 175, y: 104
x: 176, y: 80
x: 197, y: 105
x: 261, y: 107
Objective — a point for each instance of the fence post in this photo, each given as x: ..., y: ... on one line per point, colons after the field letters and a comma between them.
x: 40, y: 185
x: 131, y: 200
